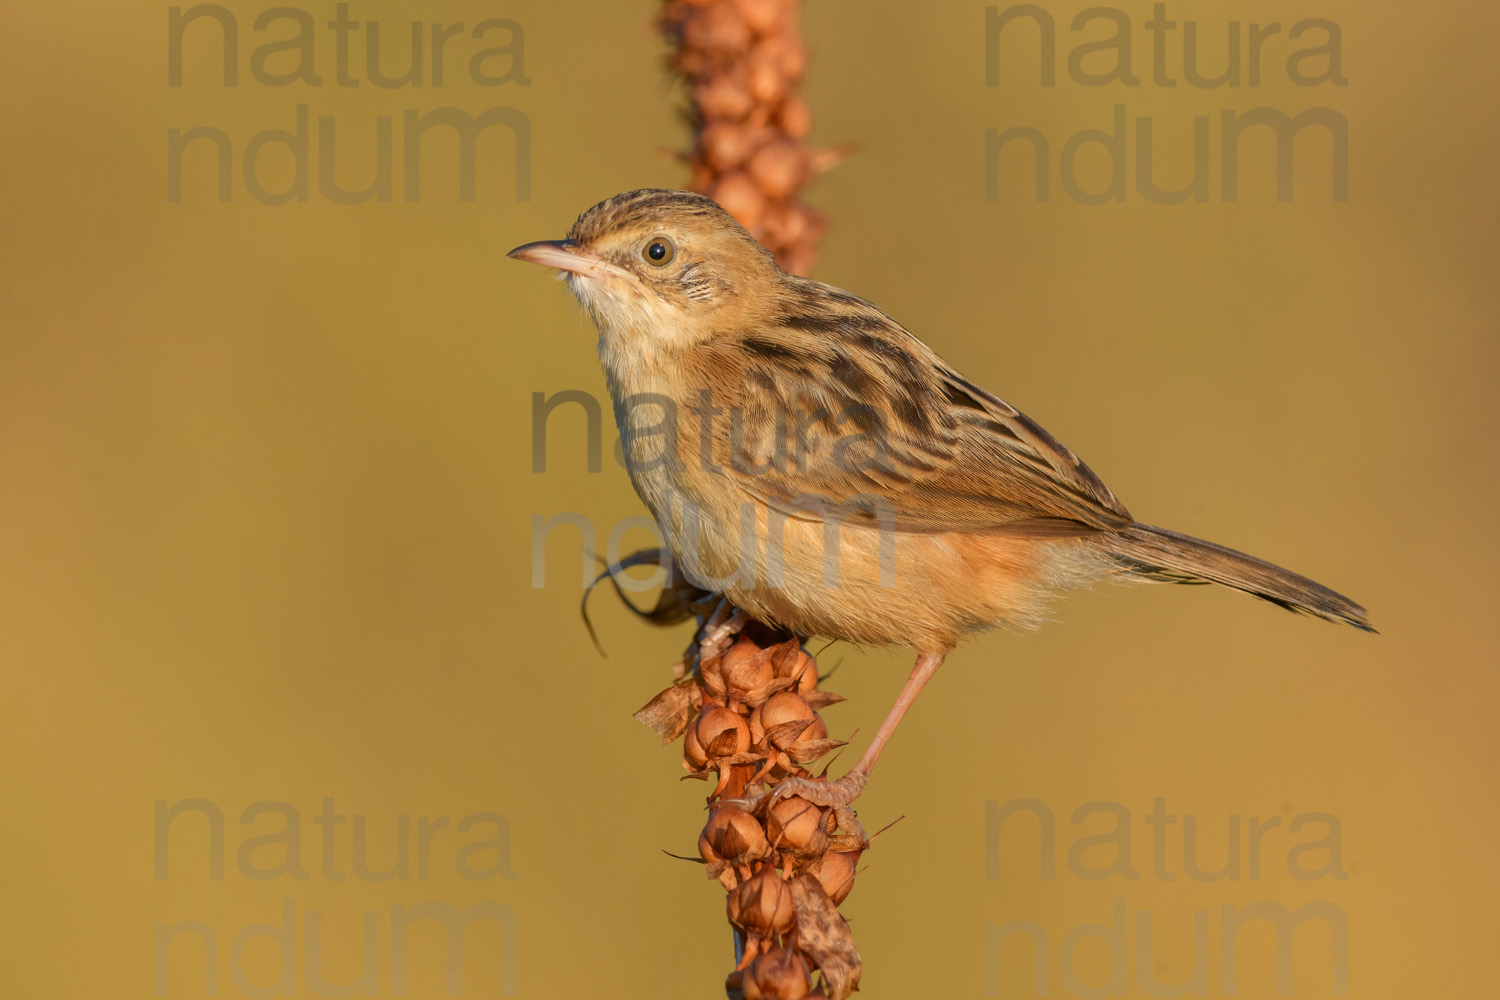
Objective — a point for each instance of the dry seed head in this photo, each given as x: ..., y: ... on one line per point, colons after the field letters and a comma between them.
x: 762, y: 904
x: 766, y: 16
x: 779, y: 974
x: 735, y: 835
x: 725, y: 146
x: 706, y: 849
x: 711, y: 675
x: 723, y: 95
x: 694, y: 758
x: 779, y: 167
x: 763, y: 76
x: 817, y: 731
x: 721, y: 733
x: 747, y: 670
x: 783, y: 707
x: 718, y: 30
x: 794, y: 118
x: 835, y: 872
x: 797, y: 826
x: 743, y: 61
x: 790, y: 660
x: 740, y: 197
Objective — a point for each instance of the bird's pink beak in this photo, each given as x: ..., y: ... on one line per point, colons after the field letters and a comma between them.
x: 566, y: 256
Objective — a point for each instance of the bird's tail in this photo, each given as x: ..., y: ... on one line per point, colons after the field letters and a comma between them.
x: 1147, y: 553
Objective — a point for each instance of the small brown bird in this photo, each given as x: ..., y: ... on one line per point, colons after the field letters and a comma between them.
x: 821, y: 467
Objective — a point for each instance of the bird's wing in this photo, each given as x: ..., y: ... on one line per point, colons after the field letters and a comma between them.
x: 845, y: 415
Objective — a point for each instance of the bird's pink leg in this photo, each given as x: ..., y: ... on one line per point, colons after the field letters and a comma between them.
x: 845, y: 790
x: 927, y: 665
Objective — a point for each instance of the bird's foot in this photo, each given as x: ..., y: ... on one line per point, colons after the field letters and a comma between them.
x: 720, y: 630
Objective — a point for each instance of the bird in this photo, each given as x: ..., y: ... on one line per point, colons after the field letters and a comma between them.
x: 813, y: 461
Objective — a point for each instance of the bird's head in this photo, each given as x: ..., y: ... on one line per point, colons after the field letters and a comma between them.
x: 658, y: 268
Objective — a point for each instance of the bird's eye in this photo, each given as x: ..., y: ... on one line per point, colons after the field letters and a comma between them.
x: 659, y: 251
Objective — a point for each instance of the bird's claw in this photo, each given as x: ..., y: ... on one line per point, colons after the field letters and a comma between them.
x: 723, y: 626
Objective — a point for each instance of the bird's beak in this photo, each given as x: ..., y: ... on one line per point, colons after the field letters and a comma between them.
x: 566, y: 256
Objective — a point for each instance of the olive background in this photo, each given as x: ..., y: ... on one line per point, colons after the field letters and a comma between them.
x: 266, y: 520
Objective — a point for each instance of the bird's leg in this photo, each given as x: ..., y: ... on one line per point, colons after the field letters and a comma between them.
x: 841, y: 792
x: 926, y: 665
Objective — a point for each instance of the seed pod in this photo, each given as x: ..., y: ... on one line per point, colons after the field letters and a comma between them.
x: 741, y: 198
x: 762, y: 904
x: 796, y: 825
x: 785, y: 718
x: 711, y: 673
x: 746, y: 669
x: 817, y: 731
x: 798, y: 259
x: 693, y: 756
x: 765, y: 16
x: 735, y: 835
x: 790, y: 660
x: 724, y: 144
x: 706, y: 850
x: 794, y: 229
x: 793, y: 56
x: 794, y: 117
x: 717, y: 29
x: 835, y: 871
x: 721, y: 732
x: 763, y: 76
x: 780, y: 974
x: 722, y: 95
x: 780, y: 167
x: 784, y: 706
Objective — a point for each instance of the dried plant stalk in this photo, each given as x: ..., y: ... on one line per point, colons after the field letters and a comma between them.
x: 742, y: 61
x: 747, y: 704
x: 747, y: 700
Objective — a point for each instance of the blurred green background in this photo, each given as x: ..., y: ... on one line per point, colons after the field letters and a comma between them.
x: 266, y: 522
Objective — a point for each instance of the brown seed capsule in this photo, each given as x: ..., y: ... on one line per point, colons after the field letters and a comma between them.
x: 793, y: 56
x: 741, y: 198
x: 790, y: 660
x: 779, y: 974
x: 735, y: 835
x: 794, y: 117
x: 798, y: 259
x: 779, y: 167
x: 711, y: 673
x: 796, y: 825
x: 835, y: 871
x: 797, y: 229
x: 724, y: 144
x: 693, y: 756
x: 817, y: 731
x: 721, y: 732
x: 722, y: 96
x: 763, y: 76
x: 757, y: 731
x: 762, y: 904
x: 783, y: 707
x: 747, y: 669
x: 706, y: 850
x: 717, y: 28
x: 765, y: 16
